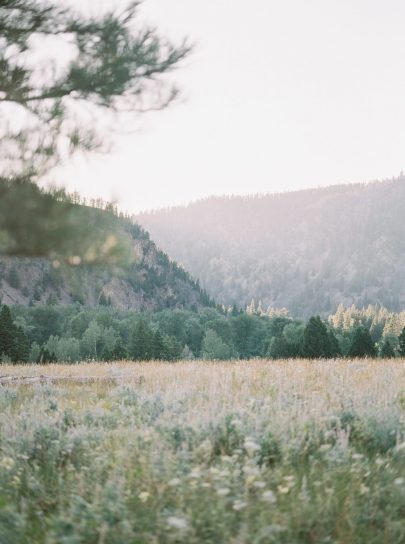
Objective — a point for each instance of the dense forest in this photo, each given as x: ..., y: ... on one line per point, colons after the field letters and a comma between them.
x: 47, y: 333
x: 307, y: 251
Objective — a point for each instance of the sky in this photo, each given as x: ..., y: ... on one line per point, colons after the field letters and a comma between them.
x: 278, y: 95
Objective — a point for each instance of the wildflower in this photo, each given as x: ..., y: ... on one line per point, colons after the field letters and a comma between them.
x: 251, y: 471
x: 283, y: 489
x: 399, y: 481
x: 239, y: 505
x: 269, y: 496
x: 259, y: 484
x: 174, y: 482
x: 195, y: 473
x: 223, y: 492
x: 236, y: 423
x: 177, y: 523
x: 7, y: 463
x: 250, y: 446
x: 357, y: 456
x: 144, y: 496
x: 324, y: 447
x: 226, y: 459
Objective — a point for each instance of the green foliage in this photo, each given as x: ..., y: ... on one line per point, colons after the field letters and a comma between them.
x: 362, y: 344
x: 402, y: 343
x: 115, y: 67
x: 72, y: 333
x: 136, y: 467
x: 387, y: 351
x: 316, y: 342
x: 14, y: 343
x: 141, y: 348
x: 214, y: 348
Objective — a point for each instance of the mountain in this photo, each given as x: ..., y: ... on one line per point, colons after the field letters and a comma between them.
x: 148, y: 280
x: 307, y: 251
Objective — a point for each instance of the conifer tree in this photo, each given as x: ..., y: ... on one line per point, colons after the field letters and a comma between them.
x: 387, y: 351
x: 115, y: 68
x: 142, y: 342
x: 316, y: 339
x: 362, y: 344
x: 159, y: 351
x: 7, y: 331
x: 20, y: 348
x: 402, y: 343
x: 334, y: 346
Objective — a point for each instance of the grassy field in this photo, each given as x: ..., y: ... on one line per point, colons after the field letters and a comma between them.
x: 249, y: 452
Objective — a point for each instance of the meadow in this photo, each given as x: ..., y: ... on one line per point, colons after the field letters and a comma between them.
x: 246, y: 452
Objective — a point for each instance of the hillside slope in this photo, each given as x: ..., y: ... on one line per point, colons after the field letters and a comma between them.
x: 308, y: 251
x: 150, y: 282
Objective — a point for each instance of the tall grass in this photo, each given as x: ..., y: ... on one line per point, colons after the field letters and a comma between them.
x: 243, y: 452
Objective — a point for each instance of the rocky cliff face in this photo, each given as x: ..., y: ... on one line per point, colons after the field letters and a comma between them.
x: 151, y: 282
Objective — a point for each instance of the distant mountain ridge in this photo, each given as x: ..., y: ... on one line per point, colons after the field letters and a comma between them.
x: 307, y: 251
x: 151, y: 282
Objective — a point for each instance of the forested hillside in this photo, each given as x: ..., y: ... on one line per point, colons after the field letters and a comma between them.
x: 308, y: 251
x: 142, y: 278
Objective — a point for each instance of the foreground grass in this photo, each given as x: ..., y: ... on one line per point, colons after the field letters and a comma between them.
x: 245, y: 452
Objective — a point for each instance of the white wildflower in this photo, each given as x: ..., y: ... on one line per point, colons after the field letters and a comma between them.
x: 269, y: 496
x: 357, y: 456
x: 177, y: 523
x: 174, y: 482
x: 259, y: 484
x: 399, y: 481
x: 7, y: 463
x: 239, y: 505
x: 144, y: 496
x: 283, y: 489
x: 324, y: 447
x: 251, y: 446
x: 223, y: 492
x: 195, y: 473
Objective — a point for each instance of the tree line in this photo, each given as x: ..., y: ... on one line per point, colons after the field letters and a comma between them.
x: 52, y: 333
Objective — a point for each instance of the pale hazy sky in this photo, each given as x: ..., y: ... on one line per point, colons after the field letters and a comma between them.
x: 278, y: 95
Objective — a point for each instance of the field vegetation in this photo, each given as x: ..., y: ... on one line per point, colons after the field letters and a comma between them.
x: 289, y: 451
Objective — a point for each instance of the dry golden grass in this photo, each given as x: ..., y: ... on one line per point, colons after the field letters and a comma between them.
x: 309, y: 388
x: 202, y: 452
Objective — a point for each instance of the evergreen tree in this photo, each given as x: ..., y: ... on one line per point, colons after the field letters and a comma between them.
x: 7, y: 331
x: 20, y: 348
x: 120, y: 352
x: 387, y: 351
x: 172, y: 348
x: 316, y: 341
x: 141, y: 348
x: 334, y: 346
x: 279, y: 348
x: 159, y: 351
x: 402, y: 343
x: 13, y: 278
x: 362, y: 344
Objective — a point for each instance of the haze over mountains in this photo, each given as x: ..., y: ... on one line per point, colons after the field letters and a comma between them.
x: 307, y: 251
